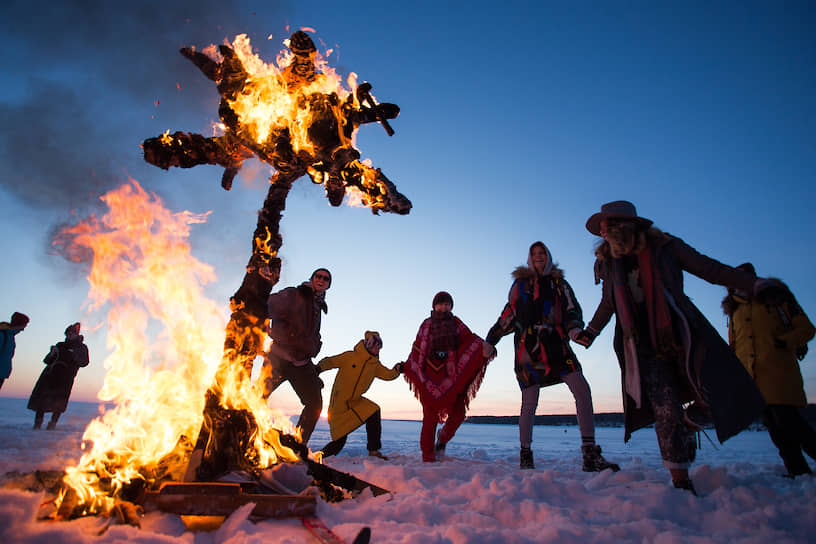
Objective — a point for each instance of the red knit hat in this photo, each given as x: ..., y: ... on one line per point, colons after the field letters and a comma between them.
x: 442, y: 296
x: 19, y: 320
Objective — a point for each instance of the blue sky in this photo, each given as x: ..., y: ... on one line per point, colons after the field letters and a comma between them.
x: 518, y: 120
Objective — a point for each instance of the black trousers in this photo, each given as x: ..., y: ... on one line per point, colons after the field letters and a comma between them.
x: 306, y: 383
x: 373, y: 437
x: 790, y: 433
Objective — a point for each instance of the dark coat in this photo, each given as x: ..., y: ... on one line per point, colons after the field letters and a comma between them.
x: 53, y: 388
x: 540, y: 327
x: 294, y: 323
x: 712, y: 371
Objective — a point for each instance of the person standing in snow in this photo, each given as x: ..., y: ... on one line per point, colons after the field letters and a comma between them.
x: 294, y: 326
x: 348, y: 408
x: 669, y: 354
x: 543, y: 314
x: 769, y: 332
x: 8, y: 344
x: 445, y: 370
x: 53, y: 387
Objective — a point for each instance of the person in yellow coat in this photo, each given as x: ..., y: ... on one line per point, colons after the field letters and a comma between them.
x: 769, y: 333
x: 348, y: 408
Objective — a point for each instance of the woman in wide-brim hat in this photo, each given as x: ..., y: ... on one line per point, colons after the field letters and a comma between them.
x: 668, y: 352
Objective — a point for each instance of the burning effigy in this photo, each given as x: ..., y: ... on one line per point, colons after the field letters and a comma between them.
x: 194, y: 415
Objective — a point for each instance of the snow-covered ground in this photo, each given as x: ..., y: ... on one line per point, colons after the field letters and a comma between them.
x: 477, y: 494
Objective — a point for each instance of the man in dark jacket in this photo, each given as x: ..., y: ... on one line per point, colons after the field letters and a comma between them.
x: 294, y: 325
x: 53, y: 388
x: 669, y: 354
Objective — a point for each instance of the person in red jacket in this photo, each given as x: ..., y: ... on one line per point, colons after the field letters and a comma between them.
x: 445, y: 370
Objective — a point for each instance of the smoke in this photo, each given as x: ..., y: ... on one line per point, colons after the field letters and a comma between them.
x: 85, y: 73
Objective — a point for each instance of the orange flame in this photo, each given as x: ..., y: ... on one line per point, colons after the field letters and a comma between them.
x: 165, y: 340
x: 267, y: 103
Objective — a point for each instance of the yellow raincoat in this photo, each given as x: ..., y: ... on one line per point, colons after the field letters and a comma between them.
x: 348, y: 408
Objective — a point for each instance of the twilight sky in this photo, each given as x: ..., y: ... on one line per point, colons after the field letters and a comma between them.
x: 519, y: 119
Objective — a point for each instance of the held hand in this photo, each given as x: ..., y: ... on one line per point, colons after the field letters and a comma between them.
x: 584, y: 337
x: 399, y: 367
x: 488, y: 350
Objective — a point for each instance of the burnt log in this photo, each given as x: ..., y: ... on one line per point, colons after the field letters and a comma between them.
x: 222, y: 499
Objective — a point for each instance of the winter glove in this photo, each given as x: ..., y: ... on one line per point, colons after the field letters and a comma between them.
x: 488, y: 351
x: 399, y: 367
x: 573, y: 333
x: 584, y: 337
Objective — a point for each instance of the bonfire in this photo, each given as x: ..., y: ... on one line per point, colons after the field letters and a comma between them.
x: 186, y: 417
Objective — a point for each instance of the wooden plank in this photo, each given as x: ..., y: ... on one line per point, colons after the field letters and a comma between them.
x: 222, y: 499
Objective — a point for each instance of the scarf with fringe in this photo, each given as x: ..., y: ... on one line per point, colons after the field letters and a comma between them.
x: 437, y: 383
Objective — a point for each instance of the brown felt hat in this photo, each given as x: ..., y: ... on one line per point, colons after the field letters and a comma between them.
x: 619, y: 209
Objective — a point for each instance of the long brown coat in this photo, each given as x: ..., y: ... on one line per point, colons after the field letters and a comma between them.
x: 765, y: 333
x: 711, y: 369
x: 348, y: 408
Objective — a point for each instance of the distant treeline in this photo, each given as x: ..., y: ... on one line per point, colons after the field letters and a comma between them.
x: 610, y: 419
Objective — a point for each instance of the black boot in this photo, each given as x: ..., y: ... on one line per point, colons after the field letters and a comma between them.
x: 38, y: 420
x: 594, y: 461
x: 439, y: 448
x: 526, y: 459
x: 685, y: 484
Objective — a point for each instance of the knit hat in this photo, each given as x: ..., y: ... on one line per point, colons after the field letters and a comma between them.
x: 322, y: 270
x: 442, y: 296
x: 619, y: 209
x: 73, y: 327
x: 18, y: 320
x: 747, y: 267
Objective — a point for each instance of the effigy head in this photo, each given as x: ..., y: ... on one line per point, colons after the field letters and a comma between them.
x: 301, y: 44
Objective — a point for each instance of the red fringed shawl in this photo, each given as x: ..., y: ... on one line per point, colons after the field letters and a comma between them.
x: 438, y: 384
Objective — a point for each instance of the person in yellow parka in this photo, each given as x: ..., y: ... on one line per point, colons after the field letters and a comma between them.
x: 348, y: 408
x: 769, y: 333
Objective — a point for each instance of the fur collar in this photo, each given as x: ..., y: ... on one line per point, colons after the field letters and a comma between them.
x: 527, y: 273
x: 772, y: 296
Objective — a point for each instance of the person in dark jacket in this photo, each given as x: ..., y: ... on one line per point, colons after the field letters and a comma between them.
x: 669, y: 354
x: 768, y: 333
x: 348, y: 408
x: 294, y: 326
x: 53, y: 388
x: 543, y: 313
x: 8, y: 344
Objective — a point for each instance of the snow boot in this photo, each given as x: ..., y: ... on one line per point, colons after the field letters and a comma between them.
x: 526, y: 459
x: 594, y: 461
x: 439, y: 448
x: 685, y: 484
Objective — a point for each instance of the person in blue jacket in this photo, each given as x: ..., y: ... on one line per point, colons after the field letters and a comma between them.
x: 8, y: 330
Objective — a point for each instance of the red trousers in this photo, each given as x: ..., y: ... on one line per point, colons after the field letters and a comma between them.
x: 456, y: 415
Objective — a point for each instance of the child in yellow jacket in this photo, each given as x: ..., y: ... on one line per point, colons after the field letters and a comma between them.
x: 348, y: 408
